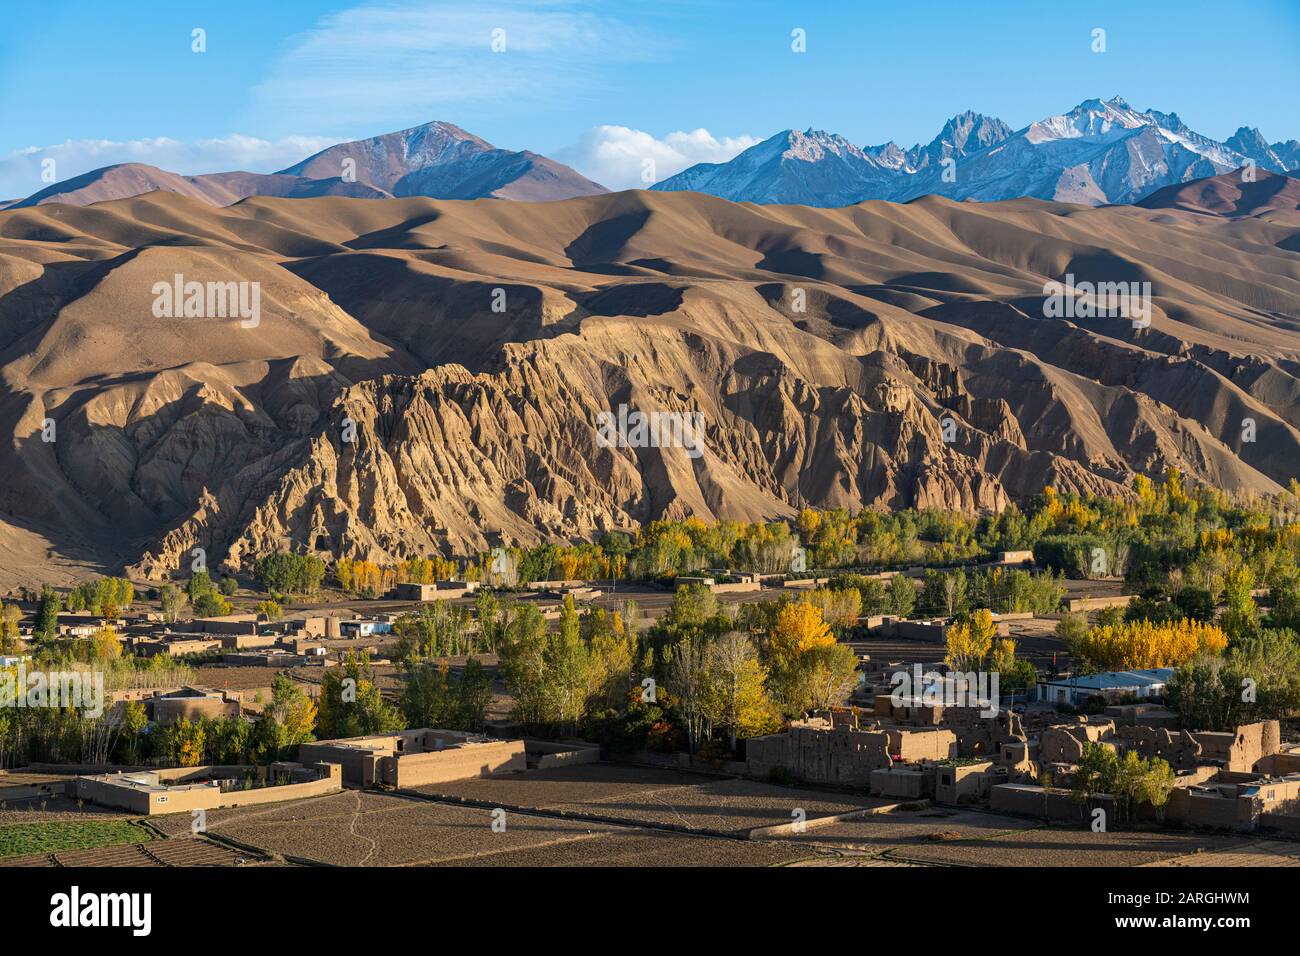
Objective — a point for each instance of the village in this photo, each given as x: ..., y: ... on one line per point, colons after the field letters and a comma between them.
x: 918, y: 763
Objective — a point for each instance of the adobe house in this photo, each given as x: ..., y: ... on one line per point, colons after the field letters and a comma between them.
x: 184, y: 790
x: 413, y: 758
x: 190, y: 703
x: 835, y: 749
x: 272, y: 657
x: 437, y: 591
x: 1241, y: 749
x: 1019, y: 758
x: 1177, y: 748
x: 175, y: 646
x: 1063, y: 743
x: 1233, y: 801
x: 914, y: 782
x: 243, y: 642
x: 1280, y: 764
x: 965, y: 782
x: 1149, y: 715
x: 1045, y: 803
x: 226, y: 624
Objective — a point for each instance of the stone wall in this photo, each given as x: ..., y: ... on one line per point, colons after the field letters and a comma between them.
x: 149, y: 795
x: 455, y: 763
x: 820, y: 755
x: 967, y: 783
x: 1242, y: 749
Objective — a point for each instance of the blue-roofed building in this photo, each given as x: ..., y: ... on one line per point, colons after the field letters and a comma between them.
x: 1111, y: 685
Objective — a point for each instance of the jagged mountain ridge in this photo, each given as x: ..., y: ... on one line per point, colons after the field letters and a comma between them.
x: 1102, y: 151
x: 475, y: 426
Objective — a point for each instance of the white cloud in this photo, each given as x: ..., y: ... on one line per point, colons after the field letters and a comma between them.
x: 623, y: 158
x: 20, y: 171
x: 390, y: 63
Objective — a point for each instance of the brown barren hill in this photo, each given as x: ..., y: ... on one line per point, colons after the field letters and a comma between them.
x: 221, y: 189
x: 873, y: 355
x: 1271, y: 196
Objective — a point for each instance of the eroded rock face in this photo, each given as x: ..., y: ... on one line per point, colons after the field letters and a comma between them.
x: 432, y: 376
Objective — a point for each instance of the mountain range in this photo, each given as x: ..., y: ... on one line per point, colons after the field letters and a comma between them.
x: 437, y: 160
x: 876, y: 355
x: 1100, y: 152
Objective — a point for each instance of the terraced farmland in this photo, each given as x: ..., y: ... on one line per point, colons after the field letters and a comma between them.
x: 184, y: 851
x: 56, y: 835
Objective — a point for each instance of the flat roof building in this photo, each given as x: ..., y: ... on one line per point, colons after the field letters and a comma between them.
x: 1108, y: 684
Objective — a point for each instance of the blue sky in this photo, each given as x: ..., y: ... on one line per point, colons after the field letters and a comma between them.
x: 589, y: 82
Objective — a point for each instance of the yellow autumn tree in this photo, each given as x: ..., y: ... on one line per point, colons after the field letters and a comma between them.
x: 840, y: 609
x: 104, y: 645
x: 1137, y: 645
x: 969, y: 639
x: 800, y: 628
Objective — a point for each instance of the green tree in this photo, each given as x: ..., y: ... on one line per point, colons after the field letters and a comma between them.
x: 738, y: 703
x: 473, y: 695
x: 902, y: 596
x: 134, y: 721
x: 228, y: 740
x: 47, y: 615
x: 434, y: 697
x: 1097, y: 772
x: 1257, y: 679
x: 211, y: 604
x: 944, y: 592
x: 690, y: 681
x: 287, y: 721
x: 523, y: 665
x: 200, y: 585
x: 487, y: 612
x: 1240, y: 616
x: 1146, y: 781
x: 171, y: 601
x: 10, y: 616
x: 287, y: 573
x: 566, y: 670
x: 350, y: 704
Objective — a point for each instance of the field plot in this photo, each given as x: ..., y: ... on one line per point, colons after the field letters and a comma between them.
x: 1263, y: 853
x: 879, y: 832
x: 363, y: 828
x: 52, y: 836
x: 645, y: 848
x: 641, y: 795
x: 184, y: 851
x: 1067, y: 847
x: 27, y: 797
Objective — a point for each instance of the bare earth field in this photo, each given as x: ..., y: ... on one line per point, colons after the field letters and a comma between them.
x: 1068, y: 847
x: 358, y: 828
x: 643, y: 848
x: 887, y: 831
x: 661, y: 798
x: 620, y: 815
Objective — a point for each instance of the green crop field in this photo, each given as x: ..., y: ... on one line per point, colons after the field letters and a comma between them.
x: 20, y: 838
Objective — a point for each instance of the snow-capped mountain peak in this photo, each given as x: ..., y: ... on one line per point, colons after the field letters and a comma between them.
x: 1091, y: 118
x: 1101, y: 151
